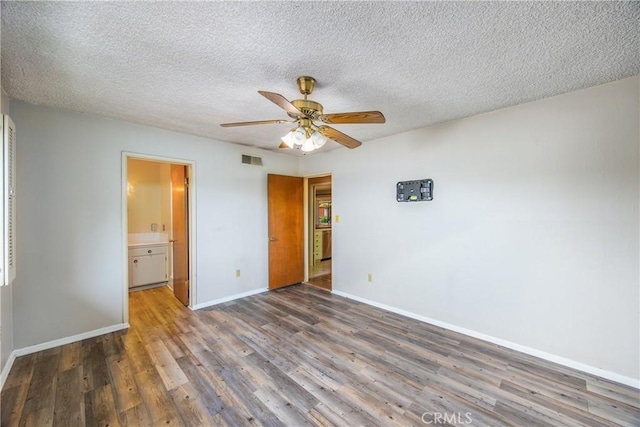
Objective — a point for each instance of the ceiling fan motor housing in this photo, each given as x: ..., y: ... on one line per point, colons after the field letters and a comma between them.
x: 307, y: 107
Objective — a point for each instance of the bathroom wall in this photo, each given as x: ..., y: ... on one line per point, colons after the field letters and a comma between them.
x: 149, y: 196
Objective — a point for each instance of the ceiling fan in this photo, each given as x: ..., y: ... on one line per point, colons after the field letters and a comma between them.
x: 307, y: 135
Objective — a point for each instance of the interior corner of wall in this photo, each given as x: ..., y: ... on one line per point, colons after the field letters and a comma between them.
x: 4, y: 101
x: 301, y: 166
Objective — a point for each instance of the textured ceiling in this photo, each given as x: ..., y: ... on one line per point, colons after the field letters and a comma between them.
x: 190, y: 66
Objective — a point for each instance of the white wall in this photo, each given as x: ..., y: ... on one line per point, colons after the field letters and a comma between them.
x: 69, y: 247
x: 533, y: 233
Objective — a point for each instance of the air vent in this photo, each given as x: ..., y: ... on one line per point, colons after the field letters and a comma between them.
x: 251, y: 160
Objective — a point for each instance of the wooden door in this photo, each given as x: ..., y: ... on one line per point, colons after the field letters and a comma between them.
x: 180, y: 241
x: 286, y: 230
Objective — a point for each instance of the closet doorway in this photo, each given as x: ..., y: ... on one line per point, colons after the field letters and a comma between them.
x: 320, y: 234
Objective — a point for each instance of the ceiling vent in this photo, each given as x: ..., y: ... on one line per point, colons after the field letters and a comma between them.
x: 251, y: 160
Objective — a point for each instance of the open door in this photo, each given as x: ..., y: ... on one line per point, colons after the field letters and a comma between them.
x: 286, y: 230
x: 180, y: 241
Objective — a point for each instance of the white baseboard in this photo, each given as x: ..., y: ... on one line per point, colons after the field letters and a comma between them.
x: 229, y: 298
x: 7, y: 368
x: 632, y: 382
x: 55, y: 343
x: 68, y: 340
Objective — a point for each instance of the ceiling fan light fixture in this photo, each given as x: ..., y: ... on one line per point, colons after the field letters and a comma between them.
x: 308, y: 145
x: 318, y: 139
x: 299, y: 135
x: 305, y: 112
x: 288, y: 139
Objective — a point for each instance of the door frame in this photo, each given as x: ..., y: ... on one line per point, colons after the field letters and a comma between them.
x: 126, y: 155
x: 308, y: 222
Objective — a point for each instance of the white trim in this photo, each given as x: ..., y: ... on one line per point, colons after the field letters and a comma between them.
x: 308, y: 206
x: 7, y: 368
x: 306, y: 242
x: 632, y: 382
x: 68, y: 340
x: 229, y: 298
x: 56, y: 343
x: 193, y: 289
x: 125, y: 238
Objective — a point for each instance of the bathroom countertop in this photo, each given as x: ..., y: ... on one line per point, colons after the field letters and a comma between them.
x: 144, y: 244
x: 137, y: 240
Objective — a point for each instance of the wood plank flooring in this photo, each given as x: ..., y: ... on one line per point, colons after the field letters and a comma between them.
x: 320, y: 275
x: 298, y: 356
x: 323, y: 282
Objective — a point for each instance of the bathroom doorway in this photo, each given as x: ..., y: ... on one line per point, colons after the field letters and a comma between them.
x: 320, y: 232
x: 158, y: 214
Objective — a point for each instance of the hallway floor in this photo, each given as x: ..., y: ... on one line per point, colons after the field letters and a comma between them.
x: 320, y: 275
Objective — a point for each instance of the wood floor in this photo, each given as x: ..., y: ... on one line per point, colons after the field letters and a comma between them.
x: 298, y: 356
x: 323, y: 282
x: 320, y: 275
x: 320, y: 268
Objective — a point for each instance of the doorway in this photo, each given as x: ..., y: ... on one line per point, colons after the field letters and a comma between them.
x: 158, y: 226
x: 320, y: 231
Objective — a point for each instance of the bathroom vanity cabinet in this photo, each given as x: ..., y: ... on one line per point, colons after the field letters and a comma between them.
x: 147, y: 265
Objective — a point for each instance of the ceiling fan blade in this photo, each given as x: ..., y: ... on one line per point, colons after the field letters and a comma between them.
x: 261, y: 122
x: 354, y: 117
x: 339, y: 137
x: 281, y: 102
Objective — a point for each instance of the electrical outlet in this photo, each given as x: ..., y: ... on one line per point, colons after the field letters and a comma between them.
x: 370, y: 277
x: 238, y: 273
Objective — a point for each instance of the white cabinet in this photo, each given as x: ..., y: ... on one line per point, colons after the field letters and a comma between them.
x: 147, y: 265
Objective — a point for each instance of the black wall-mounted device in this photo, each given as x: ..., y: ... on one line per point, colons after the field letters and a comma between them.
x: 414, y: 191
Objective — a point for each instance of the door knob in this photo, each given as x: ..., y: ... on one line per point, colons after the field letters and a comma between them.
x: 272, y: 239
